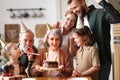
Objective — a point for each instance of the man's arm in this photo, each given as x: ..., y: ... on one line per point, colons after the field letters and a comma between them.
x: 114, y: 15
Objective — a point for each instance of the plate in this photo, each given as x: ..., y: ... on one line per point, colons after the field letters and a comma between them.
x: 29, y: 79
x: 49, y: 68
x: 77, y: 78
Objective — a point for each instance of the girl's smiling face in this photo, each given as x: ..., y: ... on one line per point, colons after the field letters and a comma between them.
x: 79, y: 40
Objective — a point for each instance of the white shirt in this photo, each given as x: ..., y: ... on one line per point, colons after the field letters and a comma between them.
x: 86, y: 23
x: 52, y: 55
x: 65, y: 41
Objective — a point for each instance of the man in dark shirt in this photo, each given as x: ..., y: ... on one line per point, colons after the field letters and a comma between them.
x: 26, y: 41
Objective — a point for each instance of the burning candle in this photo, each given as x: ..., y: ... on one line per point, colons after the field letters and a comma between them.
x: 46, y: 56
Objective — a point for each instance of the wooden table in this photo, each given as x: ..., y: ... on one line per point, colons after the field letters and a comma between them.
x: 56, y: 78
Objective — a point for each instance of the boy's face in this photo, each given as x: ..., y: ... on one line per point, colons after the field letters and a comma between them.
x: 15, y: 51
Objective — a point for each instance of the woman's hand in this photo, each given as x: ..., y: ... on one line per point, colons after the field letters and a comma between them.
x: 38, y: 68
x: 61, y: 68
x: 57, y: 25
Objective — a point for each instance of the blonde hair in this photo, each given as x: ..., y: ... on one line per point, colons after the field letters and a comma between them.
x: 6, y: 50
x: 75, y: 15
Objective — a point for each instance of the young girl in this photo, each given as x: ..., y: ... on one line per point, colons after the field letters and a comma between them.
x: 12, y: 53
x: 87, y: 60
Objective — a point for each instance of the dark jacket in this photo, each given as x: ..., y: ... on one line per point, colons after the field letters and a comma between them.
x: 23, y: 60
x: 99, y: 21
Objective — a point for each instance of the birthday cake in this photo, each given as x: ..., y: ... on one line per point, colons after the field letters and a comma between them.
x: 50, y: 64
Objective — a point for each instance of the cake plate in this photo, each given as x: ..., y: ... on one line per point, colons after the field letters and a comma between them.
x: 49, y: 68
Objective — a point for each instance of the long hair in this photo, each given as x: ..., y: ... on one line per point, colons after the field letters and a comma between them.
x: 85, y: 31
x: 71, y: 12
x: 6, y: 49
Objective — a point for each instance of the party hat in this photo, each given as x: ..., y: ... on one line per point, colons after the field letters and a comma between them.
x: 23, y: 27
x: 49, y: 26
x: 80, y: 23
x: 3, y: 43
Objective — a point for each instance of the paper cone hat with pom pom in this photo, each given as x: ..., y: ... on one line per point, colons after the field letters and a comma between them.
x: 80, y: 23
x: 3, y: 43
x: 49, y: 26
x: 23, y: 28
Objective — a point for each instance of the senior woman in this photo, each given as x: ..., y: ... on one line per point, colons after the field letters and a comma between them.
x: 65, y: 64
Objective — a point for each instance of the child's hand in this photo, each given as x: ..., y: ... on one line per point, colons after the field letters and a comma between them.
x: 75, y: 74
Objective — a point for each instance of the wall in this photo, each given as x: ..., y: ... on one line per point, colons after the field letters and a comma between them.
x: 51, y: 14
x: 115, y: 3
x: 63, y: 5
x: 55, y: 10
